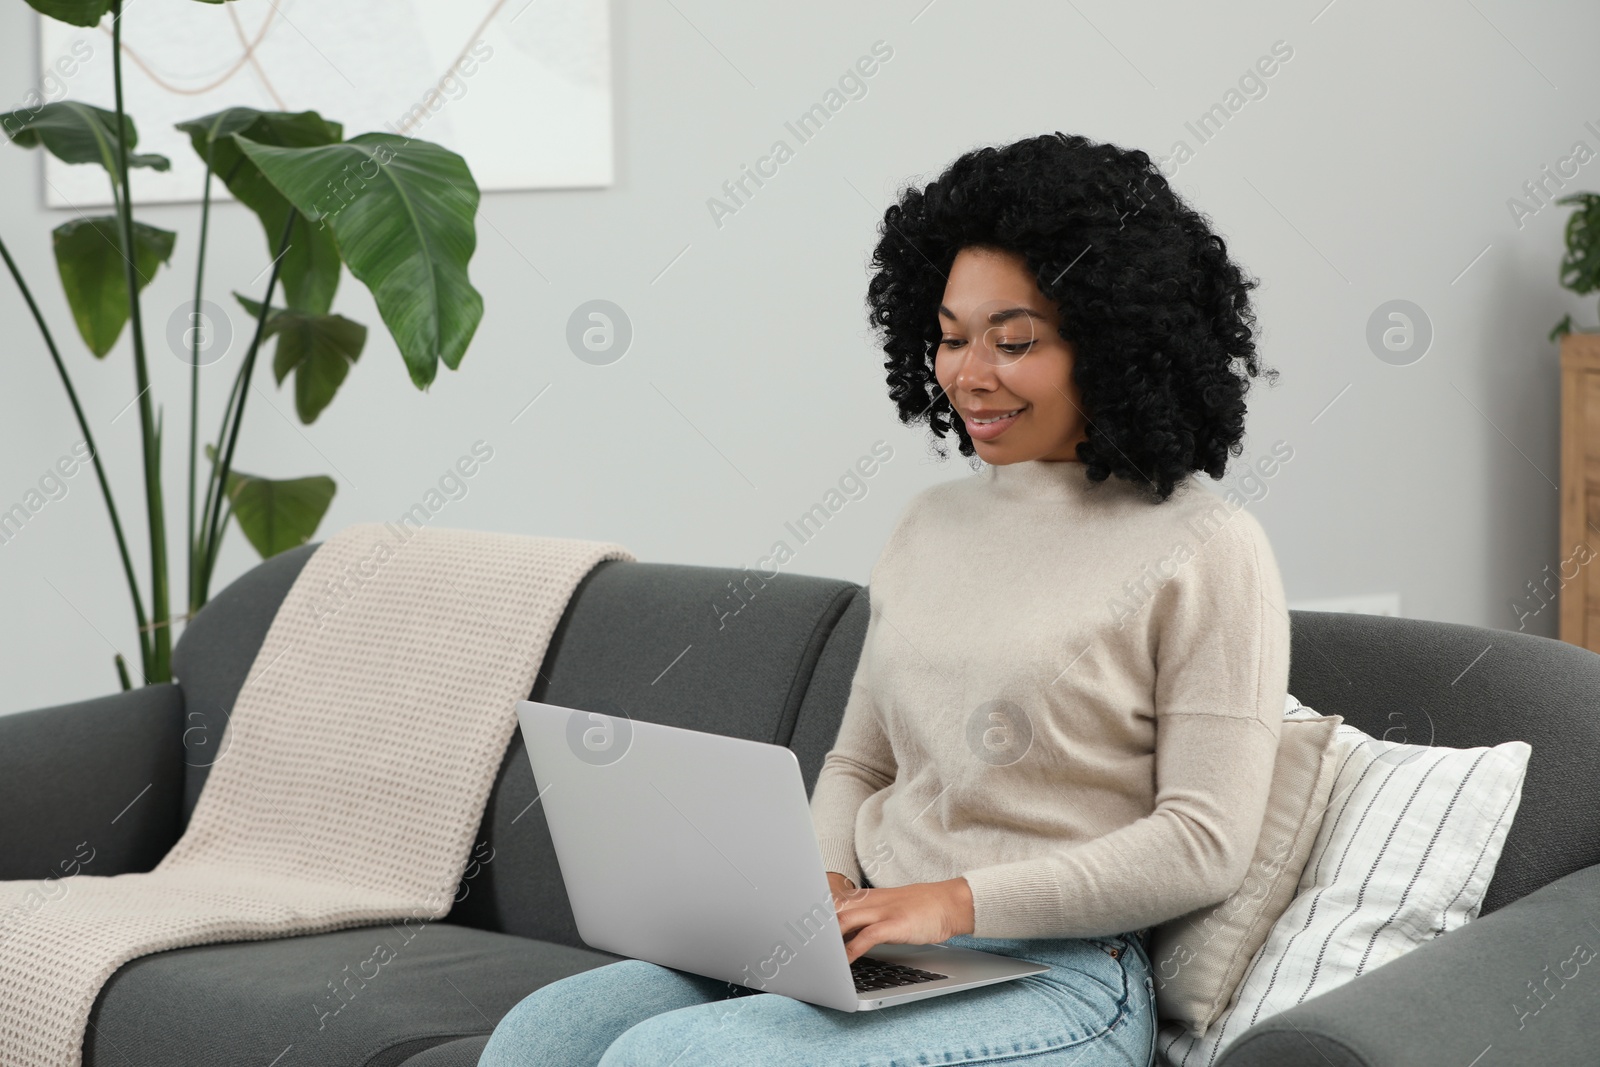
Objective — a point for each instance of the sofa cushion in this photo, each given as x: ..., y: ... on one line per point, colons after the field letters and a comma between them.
x: 665, y: 643
x: 370, y: 996
x: 1405, y: 851
x: 1200, y: 958
x: 1420, y: 682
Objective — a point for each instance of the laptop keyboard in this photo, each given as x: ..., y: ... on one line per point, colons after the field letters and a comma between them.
x: 872, y: 974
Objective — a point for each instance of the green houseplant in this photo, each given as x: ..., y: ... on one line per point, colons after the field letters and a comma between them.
x: 398, y: 212
x: 1580, y: 266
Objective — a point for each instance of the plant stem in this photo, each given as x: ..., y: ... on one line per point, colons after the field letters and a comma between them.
x: 224, y: 462
x: 204, y: 537
x: 94, y: 452
x: 194, y: 381
x: 203, y: 542
x: 158, y: 667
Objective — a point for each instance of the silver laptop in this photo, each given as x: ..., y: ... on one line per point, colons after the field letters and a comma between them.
x: 696, y: 851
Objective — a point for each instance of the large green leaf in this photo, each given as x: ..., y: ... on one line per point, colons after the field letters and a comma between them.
x: 78, y: 133
x: 317, y: 348
x: 310, y: 269
x: 75, y: 12
x: 402, y: 212
x: 81, y: 12
x: 276, y: 514
x: 95, y: 275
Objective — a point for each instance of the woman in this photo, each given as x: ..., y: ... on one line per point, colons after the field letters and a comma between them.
x: 1063, y: 723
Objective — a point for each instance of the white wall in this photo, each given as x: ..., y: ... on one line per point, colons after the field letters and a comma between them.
x: 1377, y: 166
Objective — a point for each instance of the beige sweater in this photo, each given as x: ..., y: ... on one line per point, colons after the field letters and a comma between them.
x: 1067, y: 694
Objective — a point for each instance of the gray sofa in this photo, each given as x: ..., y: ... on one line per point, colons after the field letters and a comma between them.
x: 119, y: 776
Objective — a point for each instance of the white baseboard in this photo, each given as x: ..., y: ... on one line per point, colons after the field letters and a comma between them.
x: 1362, y: 604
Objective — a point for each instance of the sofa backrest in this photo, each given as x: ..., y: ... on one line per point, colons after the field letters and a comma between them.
x: 773, y: 662
x: 667, y: 643
x: 1419, y: 682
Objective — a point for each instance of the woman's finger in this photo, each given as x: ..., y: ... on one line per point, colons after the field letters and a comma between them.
x: 867, y: 939
x: 858, y: 914
x: 858, y: 917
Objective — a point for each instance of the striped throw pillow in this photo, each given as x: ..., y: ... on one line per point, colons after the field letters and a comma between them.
x: 1407, y: 847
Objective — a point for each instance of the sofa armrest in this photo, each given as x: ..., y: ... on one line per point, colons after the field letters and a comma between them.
x: 92, y: 787
x: 1516, y: 986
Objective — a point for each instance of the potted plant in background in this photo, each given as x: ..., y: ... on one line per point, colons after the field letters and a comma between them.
x: 399, y: 212
x: 1578, y: 592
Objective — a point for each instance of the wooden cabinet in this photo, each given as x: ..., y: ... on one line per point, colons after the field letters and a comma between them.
x: 1579, y: 596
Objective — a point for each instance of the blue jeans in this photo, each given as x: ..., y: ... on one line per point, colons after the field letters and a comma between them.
x: 1094, y: 1008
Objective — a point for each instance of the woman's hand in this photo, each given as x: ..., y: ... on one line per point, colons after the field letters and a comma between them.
x: 922, y: 914
x: 843, y: 889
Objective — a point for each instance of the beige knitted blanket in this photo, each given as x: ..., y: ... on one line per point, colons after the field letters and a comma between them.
x: 355, y: 770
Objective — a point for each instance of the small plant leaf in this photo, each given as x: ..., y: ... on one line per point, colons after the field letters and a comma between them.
x: 74, y: 132
x: 276, y: 514
x: 94, y: 274
x: 318, y: 349
x: 403, y: 216
x: 1562, y: 327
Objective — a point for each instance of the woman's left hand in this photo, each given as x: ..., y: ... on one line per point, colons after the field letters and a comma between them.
x: 922, y: 914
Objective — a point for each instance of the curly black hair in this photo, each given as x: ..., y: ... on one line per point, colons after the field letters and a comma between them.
x: 1158, y: 316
